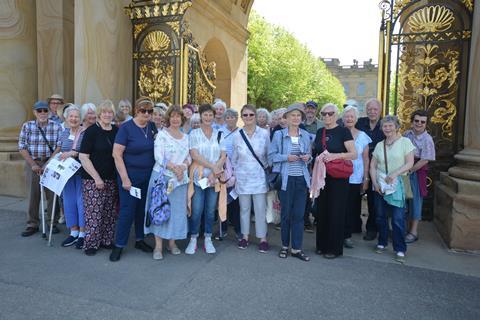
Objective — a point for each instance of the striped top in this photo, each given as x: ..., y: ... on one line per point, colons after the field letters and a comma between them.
x: 295, y: 168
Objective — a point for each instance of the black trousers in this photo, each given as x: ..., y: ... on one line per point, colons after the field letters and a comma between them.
x: 353, y: 222
x: 331, y: 211
x: 371, y: 221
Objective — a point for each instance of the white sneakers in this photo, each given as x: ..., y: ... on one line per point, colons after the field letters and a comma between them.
x: 192, y: 246
x: 209, y: 248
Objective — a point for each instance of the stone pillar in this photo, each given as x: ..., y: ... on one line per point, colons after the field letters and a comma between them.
x: 457, y: 198
x: 103, y: 51
x: 55, y: 48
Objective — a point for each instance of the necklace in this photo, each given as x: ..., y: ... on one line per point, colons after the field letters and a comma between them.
x: 392, y: 142
x: 144, y: 131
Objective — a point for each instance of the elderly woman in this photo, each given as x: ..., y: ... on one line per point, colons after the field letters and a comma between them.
x: 391, y: 159
x: 279, y: 122
x: 220, y: 107
x: 194, y: 122
x: 331, y: 143
x: 263, y: 118
x: 188, y: 111
x: 424, y: 152
x: 172, y: 155
x: 359, y: 180
x: 99, y: 189
x: 134, y: 160
x: 88, y: 115
x: 228, y: 134
x: 126, y: 107
x: 289, y: 153
x: 158, y: 117
x: 250, y: 157
x: 208, y: 156
x: 69, y: 145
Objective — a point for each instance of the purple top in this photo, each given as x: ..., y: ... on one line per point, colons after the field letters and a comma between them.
x: 424, y: 146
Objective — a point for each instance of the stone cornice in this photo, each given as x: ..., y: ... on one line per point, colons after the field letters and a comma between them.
x: 234, y: 28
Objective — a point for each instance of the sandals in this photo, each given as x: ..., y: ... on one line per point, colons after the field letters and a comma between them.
x: 300, y: 255
x: 410, y: 238
x: 283, y: 253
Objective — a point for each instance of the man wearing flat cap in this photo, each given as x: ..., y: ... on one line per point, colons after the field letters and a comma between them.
x: 37, y: 141
x: 55, y: 103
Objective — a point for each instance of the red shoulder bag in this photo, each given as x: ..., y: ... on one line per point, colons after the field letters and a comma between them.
x: 339, y: 168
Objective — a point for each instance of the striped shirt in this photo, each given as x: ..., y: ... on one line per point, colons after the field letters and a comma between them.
x: 31, y: 139
x: 295, y: 168
x: 66, y: 141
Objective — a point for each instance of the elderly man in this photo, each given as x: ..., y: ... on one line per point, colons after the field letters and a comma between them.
x: 371, y: 126
x: 220, y: 106
x: 36, y: 143
x: 55, y: 102
x: 312, y: 124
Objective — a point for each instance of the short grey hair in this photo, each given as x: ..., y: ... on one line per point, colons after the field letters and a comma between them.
x: 85, y: 108
x: 330, y: 105
x: 353, y: 109
x: 374, y: 101
x: 231, y: 113
x: 71, y: 107
x: 390, y: 118
x: 264, y: 111
x: 125, y: 103
x: 195, y: 119
x: 219, y: 103
x: 279, y: 112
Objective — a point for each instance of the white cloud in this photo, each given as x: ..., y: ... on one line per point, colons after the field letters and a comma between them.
x: 344, y: 29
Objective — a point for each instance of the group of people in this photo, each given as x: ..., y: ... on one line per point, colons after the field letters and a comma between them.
x: 171, y: 171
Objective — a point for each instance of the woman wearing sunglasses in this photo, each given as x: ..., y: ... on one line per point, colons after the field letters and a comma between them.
x: 331, y: 208
x: 134, y: 160
x: 424, y: 152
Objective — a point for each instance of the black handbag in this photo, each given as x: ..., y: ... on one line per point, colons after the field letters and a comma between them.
x: 274, y: 179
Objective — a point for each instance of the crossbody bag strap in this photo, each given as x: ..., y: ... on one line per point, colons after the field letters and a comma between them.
x: 385, y: 155
x: 45, y: 138
x: 324, y: 139
x: 244, y: 137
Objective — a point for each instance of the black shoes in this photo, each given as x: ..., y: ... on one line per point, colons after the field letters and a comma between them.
x: 91, y: 252
x: 29, y: 231
x: 308, y: 228
x: 370, y: 236
x: 142, y: 245
x: 70, y: 241
x: 116, y: 254
x: 80, y: 242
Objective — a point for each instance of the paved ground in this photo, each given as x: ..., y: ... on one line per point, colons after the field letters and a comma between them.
x: 40, y: 282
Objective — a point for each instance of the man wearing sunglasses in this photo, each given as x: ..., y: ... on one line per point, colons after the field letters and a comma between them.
x: 36, y: 143
x: 371, y: 126
x: 423, y: 153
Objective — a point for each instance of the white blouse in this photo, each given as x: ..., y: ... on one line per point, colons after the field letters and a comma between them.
x: 169, y: 149
x: 249, y: 175
x: 209, y: 149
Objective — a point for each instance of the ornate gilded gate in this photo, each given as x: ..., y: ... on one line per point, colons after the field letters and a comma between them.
x: 168, y: 65
x: 426, y: 44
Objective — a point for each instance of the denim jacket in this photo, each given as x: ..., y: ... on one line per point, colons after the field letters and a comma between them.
x: 279, y: 160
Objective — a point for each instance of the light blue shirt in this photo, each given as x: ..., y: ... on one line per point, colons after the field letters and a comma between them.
x: 361, y: 142
x: 279, y: 160
x: 227, y: 140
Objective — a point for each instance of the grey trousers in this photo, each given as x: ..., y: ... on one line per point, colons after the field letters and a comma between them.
x: 259, y: 206
x: 33, y: 187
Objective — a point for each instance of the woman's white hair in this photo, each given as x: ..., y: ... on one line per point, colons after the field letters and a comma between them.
x: 125, y: 103
x: 265, y: 111
x: 71, y: 107
x: 219, y: 103
x: 85, y: 108
x: 279, y: 112
x: 330, y: 105
x: 351, y: 109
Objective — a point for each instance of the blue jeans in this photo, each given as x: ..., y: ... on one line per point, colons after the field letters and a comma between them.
x: 415, y: 204
x: 292, y: 203
x: 398, y: 224
x: 204, y: 202
x: 131, y: 208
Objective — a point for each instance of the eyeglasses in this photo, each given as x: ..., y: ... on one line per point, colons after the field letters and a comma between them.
x: 42, y: 110
x: 330, y: 113
x: 420, y: 121
x: 149, y: 111
x: 246, y: 115
x: 55, y: 102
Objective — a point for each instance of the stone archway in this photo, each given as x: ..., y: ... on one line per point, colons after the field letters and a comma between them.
x: 215, y: 51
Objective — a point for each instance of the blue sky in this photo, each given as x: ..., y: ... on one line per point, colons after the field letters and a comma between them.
x: 344, y: 29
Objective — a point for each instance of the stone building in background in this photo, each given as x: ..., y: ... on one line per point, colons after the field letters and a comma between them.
x: 359, y: 81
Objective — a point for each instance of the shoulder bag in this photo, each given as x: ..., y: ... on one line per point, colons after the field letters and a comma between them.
x: 265, y: 169
x: 274, y: 179
x: 339, y: 168
x: 405, y: 178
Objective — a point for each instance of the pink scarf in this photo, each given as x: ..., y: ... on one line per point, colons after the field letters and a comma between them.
x: 319, y: 174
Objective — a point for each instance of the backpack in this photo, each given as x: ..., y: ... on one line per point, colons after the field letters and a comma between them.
x: 159, y: 211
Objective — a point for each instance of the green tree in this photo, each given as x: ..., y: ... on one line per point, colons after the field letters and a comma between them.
x: 281, y: 70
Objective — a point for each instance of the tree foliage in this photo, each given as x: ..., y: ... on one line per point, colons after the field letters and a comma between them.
x: 281, y: 70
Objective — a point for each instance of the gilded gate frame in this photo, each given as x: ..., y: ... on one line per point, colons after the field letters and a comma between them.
x: 427, y: 44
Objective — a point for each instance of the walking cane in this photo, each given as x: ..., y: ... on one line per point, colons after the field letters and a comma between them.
x: 44, y: 235
x: 51, y: 220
